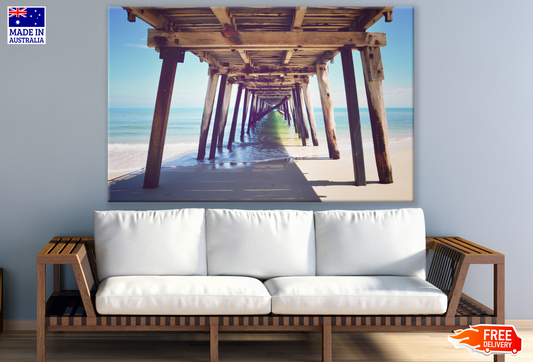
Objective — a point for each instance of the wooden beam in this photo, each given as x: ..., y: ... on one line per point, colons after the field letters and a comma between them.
x: 218, y: 116
x: 327, y: 56
x: 354, y: 119
x: 370, y: 17
x: 270, y: 88
x: 263, y: 40
x: 274, y: 79
x: 287, y: 57
x: 151, y: 17
x: 388, y: 16
x: 310, y: 113
x: 265, y: 70
x: 327, y: 110
x: 298, y: 18
x: 272, y: 94
x: 222, y: 14
x: 269, y: 85
x: 245, y: 57
x: 206, y: 116
x: 373, y: 75
x: 160, y: 121
x: 208, y: 58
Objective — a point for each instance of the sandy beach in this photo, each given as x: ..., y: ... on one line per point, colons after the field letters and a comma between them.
x: 296, y: 173
x: 309, y: 179
x: 332, y: 180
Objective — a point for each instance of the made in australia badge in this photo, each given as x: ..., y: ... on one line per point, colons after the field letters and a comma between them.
x: 26, y: 25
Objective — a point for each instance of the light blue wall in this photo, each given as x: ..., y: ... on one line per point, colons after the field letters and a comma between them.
x: 473, y: 130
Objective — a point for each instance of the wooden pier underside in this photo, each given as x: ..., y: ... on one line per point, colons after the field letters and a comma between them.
x: 271, y: 52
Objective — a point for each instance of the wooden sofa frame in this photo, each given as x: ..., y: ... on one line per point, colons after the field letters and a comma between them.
x: 75, y: 311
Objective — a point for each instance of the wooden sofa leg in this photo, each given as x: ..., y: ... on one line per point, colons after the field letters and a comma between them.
x: 213, y: 343
x: 326, y: 344
x: 41, y: 311
x: 499, y: 358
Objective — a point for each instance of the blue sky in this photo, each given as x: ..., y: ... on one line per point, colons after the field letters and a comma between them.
x: 133, y: 69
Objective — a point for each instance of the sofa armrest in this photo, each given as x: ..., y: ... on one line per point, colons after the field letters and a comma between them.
x: 74, y: 251
x: 452, y: 258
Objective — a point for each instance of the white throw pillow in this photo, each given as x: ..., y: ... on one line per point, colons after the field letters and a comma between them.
x: 262, y: 244
x: 166, y: 242
x: 382, y: 242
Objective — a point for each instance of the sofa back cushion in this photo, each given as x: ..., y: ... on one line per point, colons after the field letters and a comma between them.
x: 262, y: 244
x: 384, y: 242
x: 166, y: 242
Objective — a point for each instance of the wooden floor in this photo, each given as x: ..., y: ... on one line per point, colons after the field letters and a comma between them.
x: 19, y: 346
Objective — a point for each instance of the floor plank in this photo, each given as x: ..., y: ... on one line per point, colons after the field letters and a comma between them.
x: 20, y: 346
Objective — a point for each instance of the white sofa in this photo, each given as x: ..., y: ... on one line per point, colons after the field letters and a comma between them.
x: 239, y: 262
x: 266, y: 270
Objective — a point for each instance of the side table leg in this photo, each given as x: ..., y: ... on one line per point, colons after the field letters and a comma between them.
x: 499, y: 292
x: 41, y: 312
x: 213, y: 343
x: 326, y: 344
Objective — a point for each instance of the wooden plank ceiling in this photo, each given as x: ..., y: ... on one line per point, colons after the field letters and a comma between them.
x: 268, y: 49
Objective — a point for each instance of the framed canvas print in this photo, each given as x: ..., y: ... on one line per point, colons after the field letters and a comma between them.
x: 308, y: 104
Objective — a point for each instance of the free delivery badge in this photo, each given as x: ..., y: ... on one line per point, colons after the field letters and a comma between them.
x: 26, y: 25
x: 488, y: 339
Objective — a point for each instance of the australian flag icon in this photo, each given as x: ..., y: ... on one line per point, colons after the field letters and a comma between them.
x: 26, y: 17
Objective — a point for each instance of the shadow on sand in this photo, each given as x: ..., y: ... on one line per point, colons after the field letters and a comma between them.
x: 278, y: 180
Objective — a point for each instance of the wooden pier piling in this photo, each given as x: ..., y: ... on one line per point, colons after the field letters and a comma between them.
x: 310, y: 113
x: 299, y: 115
x: 327, y: 110
x: 373, y: 72
x: 225, y: 111
x: 170, y: 57
x: 206, y: 116
x: 235, y: 116
x: 354, y: 119
x: 252, y: 107
x: 300, y: 109
x: 245, y: 112
x: 218, y: 116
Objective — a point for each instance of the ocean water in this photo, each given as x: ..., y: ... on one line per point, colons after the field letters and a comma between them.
x: 129, y: 133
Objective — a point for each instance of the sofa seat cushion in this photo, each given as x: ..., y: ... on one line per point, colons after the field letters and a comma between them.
x: 182, y: 295
x: 360, y: 295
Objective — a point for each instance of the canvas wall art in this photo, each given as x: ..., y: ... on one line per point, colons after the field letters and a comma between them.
x: 305, y: 104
